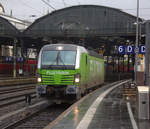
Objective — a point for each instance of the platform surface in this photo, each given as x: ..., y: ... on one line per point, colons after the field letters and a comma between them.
x: 99, y: 111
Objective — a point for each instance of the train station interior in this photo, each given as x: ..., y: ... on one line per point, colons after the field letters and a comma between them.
x: 119, y: 29
x: 108, y: 31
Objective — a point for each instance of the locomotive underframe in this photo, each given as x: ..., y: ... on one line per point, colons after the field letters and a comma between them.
x: 57, y: 91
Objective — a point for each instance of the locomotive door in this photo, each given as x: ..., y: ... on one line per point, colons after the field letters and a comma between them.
x: 86, y: 71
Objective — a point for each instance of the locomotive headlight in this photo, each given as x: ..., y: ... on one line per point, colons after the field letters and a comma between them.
x: 59, y: 48
x: 77, y: 78
x: 39, y: 79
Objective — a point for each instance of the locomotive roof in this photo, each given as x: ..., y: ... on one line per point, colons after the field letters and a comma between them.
x: 65, y: 47
x: 72, y: 47
x: 95, y: 54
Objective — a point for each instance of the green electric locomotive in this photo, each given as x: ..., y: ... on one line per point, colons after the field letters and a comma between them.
x: 68, y: 71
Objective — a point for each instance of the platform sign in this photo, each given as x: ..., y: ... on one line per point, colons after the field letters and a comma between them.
x: 130, y: 49
x: 121, y: 49
x: 8, y: 59
x: 19, y: 59
x: 142, y: 49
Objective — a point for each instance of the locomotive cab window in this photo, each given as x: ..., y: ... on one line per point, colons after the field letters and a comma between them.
x: 58, y: 58
x: 86, y: 59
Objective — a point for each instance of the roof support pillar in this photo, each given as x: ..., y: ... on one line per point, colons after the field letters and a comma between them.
x: 14, y: 54
x: 147, y: 54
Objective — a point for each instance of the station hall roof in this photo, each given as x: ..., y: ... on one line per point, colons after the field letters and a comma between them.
x: 7, y: 29
x: 83, y: 21
x: 19, y: 24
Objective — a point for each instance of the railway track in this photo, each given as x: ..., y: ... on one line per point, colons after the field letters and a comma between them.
x: 15, y: 88
x: 16, y: 81
x: 39, y: 119
x: 15, y: 94
x: 13, y: 97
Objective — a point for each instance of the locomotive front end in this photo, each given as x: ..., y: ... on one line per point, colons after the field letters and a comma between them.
x: 58, y: 71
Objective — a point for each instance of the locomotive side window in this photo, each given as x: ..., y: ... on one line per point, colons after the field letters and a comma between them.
x: 86, y: 60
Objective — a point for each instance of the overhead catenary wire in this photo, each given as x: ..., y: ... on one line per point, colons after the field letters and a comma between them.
x: 139, y: 8
x: 134, y: 10
x: 48, y: 4
x: 24, y: 3
x: 64, y: 3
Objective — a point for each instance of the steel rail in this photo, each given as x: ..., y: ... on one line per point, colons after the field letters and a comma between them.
x: 15, y: 90
x: 16, y: 101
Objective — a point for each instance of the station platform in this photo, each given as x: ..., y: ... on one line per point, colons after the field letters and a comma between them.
x: 104, y: 108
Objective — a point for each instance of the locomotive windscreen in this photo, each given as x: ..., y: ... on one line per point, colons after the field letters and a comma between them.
x: 58, y: 59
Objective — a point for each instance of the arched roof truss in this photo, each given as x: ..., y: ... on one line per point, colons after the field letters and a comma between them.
x: 83, y: 21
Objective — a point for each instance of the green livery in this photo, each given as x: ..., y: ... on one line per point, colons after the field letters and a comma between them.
x: 66, y: 70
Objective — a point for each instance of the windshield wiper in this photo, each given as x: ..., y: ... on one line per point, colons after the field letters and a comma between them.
x: 59, y: 58
x: 54, y: 61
